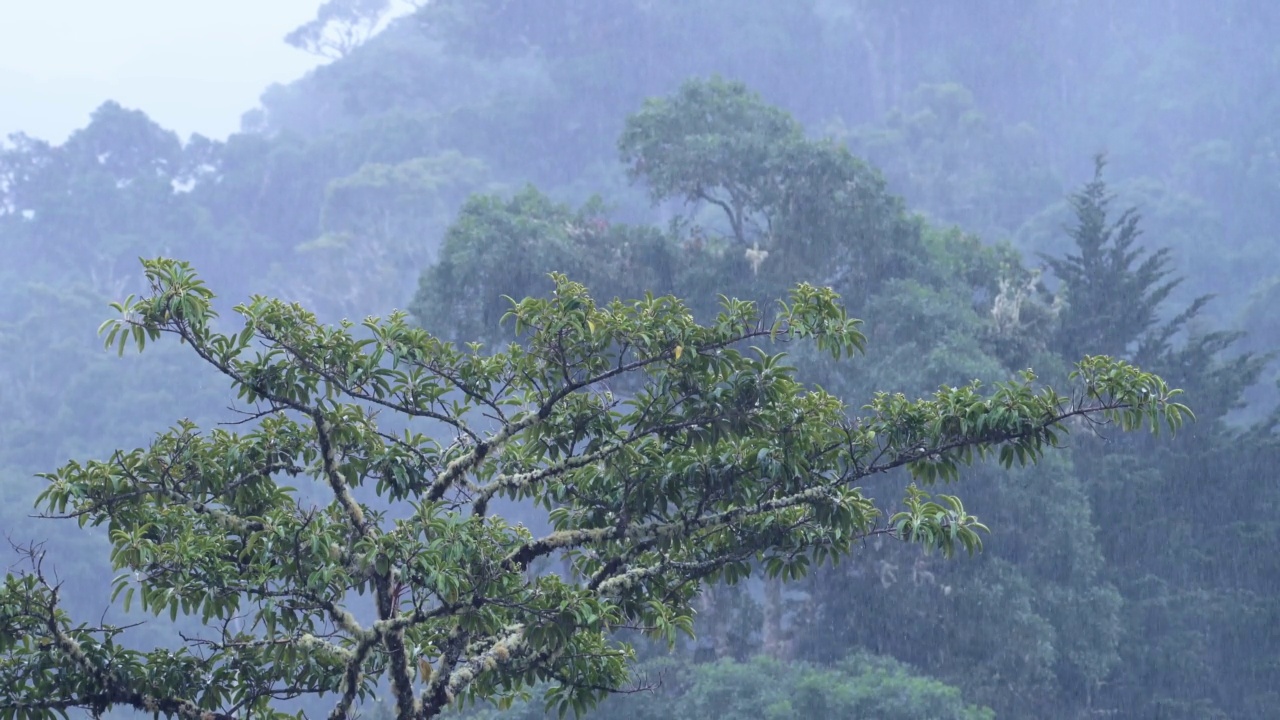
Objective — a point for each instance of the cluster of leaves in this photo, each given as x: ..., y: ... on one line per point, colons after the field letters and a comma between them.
x: 711, y: 462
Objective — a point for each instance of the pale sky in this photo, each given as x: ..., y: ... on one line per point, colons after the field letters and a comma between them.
x: 191, y: 65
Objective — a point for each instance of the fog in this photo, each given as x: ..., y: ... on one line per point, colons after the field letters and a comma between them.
x: 195, y: 67
x: 989, y: 186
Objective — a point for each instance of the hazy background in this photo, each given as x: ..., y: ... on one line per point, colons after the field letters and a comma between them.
x: 194, y: 66
x: 449, y: 160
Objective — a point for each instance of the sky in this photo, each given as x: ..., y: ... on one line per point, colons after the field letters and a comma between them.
x: 191, y: 65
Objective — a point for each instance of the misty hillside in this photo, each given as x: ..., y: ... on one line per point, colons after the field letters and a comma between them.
x: 989, y: 185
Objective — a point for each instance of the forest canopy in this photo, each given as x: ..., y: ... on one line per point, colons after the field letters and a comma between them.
x: 935, y: 166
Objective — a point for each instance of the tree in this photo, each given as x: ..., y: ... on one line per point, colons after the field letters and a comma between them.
x: 378, y: 228
x: 859, y: 686
x: 1114, y: 287
x: 714, y: 462
x: 504, y: 247
x: 1190, y: 569
x: 339, y: 27
x: 951, y: 161
x: 72, y: 210
x: 713, y: 143
x: 789, y: 204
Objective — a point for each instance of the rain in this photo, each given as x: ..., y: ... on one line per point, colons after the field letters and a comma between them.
x: 640, y: 359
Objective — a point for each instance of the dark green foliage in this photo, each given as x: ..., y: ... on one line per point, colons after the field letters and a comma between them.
x: 503, y: 248
x: 1184, y: 564
x: 1114, y: 287
x: 717, y: 464
x: 1128, y: 577
x: 805, y: 204
x: 860, y: 686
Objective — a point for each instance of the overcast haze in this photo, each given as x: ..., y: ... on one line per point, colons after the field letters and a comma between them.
x: 294, y: 491
x: 193, y: 66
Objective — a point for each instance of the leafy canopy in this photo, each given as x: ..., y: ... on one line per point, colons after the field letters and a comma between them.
x: 790, y: 204
x: 665, y: 454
